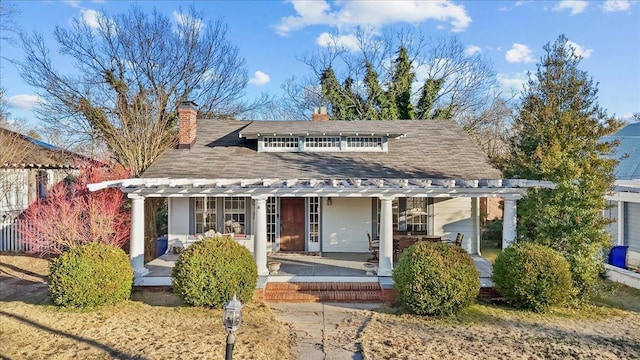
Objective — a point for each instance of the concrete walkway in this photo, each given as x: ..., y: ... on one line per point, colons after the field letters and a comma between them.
x: 325, y: 330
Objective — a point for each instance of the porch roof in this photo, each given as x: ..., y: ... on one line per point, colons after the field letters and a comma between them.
x: 354, y: 187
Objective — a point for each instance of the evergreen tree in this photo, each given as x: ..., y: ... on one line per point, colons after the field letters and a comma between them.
x: 400, y: 89
x: 428, y: 98
x: 557, y: 138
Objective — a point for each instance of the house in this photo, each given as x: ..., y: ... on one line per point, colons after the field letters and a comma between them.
x: 319, y: 186
x: 28, y: 168
x: 625, y: 203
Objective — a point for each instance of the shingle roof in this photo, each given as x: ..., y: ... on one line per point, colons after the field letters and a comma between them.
x: 628, y: 151
x: 27, y: 152
x: 430, y: 149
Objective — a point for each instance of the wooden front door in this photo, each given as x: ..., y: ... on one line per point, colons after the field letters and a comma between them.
x: 292, y: 224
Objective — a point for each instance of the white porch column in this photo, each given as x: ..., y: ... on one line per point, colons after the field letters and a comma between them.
x: 136, y: 244
x: 473, y: 246
x: 260, y: 241
x: 385, y: 262
x: 620, y: 223
x: 509, y: 223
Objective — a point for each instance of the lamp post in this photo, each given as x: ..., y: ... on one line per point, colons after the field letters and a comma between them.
x: 231, y: 318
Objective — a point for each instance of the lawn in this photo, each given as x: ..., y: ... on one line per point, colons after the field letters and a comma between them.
x: 155, y: 325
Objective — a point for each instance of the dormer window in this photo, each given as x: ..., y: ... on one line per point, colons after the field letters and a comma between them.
x: 364, y: 142
x: 280, y: 143
x: 323, y: 143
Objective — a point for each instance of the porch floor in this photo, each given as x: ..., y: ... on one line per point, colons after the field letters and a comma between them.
x: 320, y: 265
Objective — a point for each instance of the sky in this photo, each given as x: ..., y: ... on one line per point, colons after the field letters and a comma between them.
x: 272, y: 35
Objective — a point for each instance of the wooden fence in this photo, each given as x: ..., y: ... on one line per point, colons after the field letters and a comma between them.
x: 11, y: 239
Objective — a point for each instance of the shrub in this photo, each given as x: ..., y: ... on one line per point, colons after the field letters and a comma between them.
x: 90, y: 275
x: 532, y: 276
x: 212, y: 270
x: 436, y: 279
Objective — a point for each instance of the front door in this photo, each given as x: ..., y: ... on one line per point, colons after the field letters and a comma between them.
x: 292, y: 224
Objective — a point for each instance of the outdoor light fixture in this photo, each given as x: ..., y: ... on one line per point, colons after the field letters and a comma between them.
x: 329, y: 201
x: 231, y: 318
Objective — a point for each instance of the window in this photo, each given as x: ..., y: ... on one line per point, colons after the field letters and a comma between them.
x: 42, y: 180
x: 234, y: 215
x: 271, y: 219
x: 205, y: 214
x: 280, y: 142
x: 364, y: 142
x: 314, y: 219
x: 417, y: 214
x: 323, y: 142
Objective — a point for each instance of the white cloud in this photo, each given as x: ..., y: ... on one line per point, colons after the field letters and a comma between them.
x: 512, y: 84
x: 519, y: 53
x: 575, y: 6
x: 23, y: 101
x: 580, y: 51
x: 72, y: 3
x: 472, y: 50
x: 349, y: 42
x: 616, y: 5
x: 372, y: 14
x: 90, y: 17
x: 183, y: 19
x: 259, y: 78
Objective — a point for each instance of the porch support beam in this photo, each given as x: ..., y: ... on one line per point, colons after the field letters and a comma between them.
x: 136, y: 244
x: 385, y: 262
x: 620, y: 223
x: 509, y: 223
x: 260, y: 243
x: 473, y: 246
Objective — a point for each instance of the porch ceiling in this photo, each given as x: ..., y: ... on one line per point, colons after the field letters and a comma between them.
x: 165, y: 187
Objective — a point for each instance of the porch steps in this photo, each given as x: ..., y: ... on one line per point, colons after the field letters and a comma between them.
x: 327, y: 292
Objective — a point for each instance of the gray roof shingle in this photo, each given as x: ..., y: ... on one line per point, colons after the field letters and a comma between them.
x: 430, y: 149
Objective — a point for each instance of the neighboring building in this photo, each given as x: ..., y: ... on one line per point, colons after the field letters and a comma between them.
x: 625, y: 199
x: 319, y: 186
x: 28, y: 169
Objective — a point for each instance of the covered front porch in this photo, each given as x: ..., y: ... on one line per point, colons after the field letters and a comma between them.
x: 337, y: 214
x: 306, y: 267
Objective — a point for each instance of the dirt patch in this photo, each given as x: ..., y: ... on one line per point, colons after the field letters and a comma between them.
x: 23, y: 278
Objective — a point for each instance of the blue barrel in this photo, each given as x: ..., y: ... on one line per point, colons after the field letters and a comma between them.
x: 161, y: 246
x: 618, y: 256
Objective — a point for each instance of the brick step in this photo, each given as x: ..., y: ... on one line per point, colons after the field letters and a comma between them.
x: 488, y: 294
x: 326, y: 292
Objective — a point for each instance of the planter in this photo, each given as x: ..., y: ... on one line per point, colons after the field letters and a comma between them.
x: 369, y: 268
x: 273, y: 266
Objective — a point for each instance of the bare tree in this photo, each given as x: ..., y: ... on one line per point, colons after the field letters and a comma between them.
x: 467, y: 82
x: 129, y: 73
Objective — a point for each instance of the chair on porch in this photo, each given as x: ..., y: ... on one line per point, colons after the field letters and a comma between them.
x: 459, y: 237
x: 374, y: 247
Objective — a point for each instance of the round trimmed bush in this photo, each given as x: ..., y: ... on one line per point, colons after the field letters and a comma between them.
x: 532, y: 276
x: 436, y: 279
x: 90, y: 275
x: 212, y: 270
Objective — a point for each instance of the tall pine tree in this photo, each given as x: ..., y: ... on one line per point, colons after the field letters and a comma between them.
x: 557, y: 138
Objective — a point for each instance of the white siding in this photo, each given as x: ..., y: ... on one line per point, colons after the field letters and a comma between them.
x: 179, y: 221
x: 632, y: 233
x: 345, y: 224
x: 14, y: 188
x: 453, y: 216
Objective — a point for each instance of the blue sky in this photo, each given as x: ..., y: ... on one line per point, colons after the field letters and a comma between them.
x: 271, y: 34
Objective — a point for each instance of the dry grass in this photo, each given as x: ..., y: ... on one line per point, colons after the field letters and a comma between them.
x: 154, y: 325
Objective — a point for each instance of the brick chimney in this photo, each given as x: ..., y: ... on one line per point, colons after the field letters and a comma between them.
x: 187, y: 123
x: 320, y: 115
